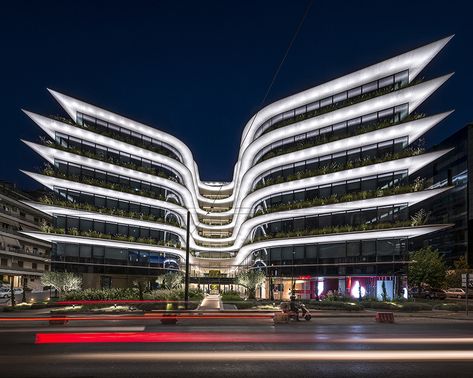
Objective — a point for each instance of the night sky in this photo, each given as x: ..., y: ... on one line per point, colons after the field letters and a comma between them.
x: 199, y: 69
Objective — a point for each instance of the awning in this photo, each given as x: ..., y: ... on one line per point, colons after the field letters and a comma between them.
x: 9, y: 242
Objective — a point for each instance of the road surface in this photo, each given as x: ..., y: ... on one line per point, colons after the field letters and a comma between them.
x: 339, y: 347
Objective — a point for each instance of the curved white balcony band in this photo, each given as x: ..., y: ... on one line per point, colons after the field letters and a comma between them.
x: 413, y: 95
x: 402, y: 232
x: 59, y: 238
x: 51, y: 126
x: 414, y: 61
x: 412, y: 164
x: 51, y: 154
x: 51, y: 182
x: 407, y: 232
x: 418, y: 93
x: 250, y: 224
x: 56, y: 210
x: 412, y: 130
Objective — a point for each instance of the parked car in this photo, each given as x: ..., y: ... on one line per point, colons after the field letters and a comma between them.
x: 430, y: 294
x: 4, y: 292
x: 455, y: 292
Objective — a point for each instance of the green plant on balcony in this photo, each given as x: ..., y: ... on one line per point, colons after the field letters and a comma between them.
x: 118, y: 136
x: 326, y: 138
x: 73, y: 231
x: 100, y: 235
x: 107, y: 185
x: 341, y: 104
x: 336, y: 167
x: 111, y: 160
x: 53, y: 201
x: 420, y: 218
x: 332, y: 230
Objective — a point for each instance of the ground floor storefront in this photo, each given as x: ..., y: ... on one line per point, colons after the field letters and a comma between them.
x: 310, y: 287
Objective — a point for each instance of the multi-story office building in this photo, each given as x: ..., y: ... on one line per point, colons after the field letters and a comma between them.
x: 23, y: 258
x: 450, y: 170
x: 322, y: 189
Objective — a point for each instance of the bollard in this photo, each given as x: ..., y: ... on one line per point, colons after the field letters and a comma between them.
x: 384, y: 317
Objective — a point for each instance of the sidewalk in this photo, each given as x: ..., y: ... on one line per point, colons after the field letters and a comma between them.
x: 397, y: 314
x: 211, y: 302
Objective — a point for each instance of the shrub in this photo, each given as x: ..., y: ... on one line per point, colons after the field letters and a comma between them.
x: 415, y: 306
x: 334, y: 305
x: 243, y: 305
x: 381, y: 305
x: 102, y: 294
x: 231, y: 296
x: 37, y: 306
x: 453, y: 307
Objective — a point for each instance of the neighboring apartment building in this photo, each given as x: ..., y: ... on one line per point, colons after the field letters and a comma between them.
x: 322, y: 189
x: 22, y: 258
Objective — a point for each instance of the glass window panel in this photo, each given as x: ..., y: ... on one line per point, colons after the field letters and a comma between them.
x: 72, y: 222
x: 86, y: 224
x: 329, y: 251
x: 86, y: 251
x: 368, y: 248
x: 369, y: 87
x: 311, y: 251
x: 339, y: 97
x: 353, y: 249
x: 385, y: 247
x: 325, y: 102
x: 354, y: 92
x: 386, y: 81
x: 72, y: 250
x: 287, y: 254
x: 98, y: 251
x: 314, y: 106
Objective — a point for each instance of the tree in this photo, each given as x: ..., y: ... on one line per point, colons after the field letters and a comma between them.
x: 454, y: 276
x: 427, y: 267
x: 142, y: 284
x: 62, y: 281
x: 384, y: 294
x: 250, y: 279
x: 420, y: 218
x: 171, y: 280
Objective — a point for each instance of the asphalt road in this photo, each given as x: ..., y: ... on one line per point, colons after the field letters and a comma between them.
x: 339, y: 347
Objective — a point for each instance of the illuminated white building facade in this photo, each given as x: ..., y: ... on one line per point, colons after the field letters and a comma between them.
x: 322, y: 187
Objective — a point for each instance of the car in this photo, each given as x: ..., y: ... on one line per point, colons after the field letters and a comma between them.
x: 455, y: 292
x: 4, y: 292
x: 427, y: 293
x: 433, y: 294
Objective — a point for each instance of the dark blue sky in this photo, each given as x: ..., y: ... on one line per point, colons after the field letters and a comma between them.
x: 199, y: 69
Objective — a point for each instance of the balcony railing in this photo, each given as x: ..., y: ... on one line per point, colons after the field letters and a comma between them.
x: 417, y: 186
x: 336, y: 167
x: 52, y: 201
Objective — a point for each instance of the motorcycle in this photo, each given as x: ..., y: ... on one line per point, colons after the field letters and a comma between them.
x: 293, y: 310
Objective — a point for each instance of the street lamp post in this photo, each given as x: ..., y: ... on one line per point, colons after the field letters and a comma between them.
x: 24, y: 289
x: 12, y: 292
x: 186, y: 285
x: 292, y: 273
